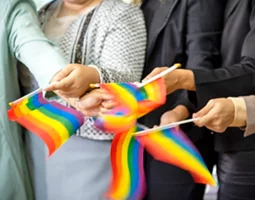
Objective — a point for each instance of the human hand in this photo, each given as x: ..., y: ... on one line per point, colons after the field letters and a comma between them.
x: 74, y: 80
x: 217, y: 115
x: 177, y: 79
x: 95, y: 102
x: 179, y: 113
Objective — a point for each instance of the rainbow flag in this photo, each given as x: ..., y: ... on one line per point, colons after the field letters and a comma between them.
x: 121, y: 118
x: 128, y: 178
x: 174, y: 147
x: 133, y: 102
x: 151, y: 96
x: 51, y: 121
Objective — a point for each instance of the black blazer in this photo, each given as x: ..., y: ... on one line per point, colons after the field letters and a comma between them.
x: 237, y: 75
x: 186, y: 32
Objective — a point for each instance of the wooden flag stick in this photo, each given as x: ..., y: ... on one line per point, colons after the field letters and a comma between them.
x: 147, y: 131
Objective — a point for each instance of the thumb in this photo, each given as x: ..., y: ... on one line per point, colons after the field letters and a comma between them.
x: 154, y: 73
x: 60, y: 85
x: 60, y: 76
x: 203, y: 111
x: 63, y: 73
x: 93, y: 99
x: 205, y: 120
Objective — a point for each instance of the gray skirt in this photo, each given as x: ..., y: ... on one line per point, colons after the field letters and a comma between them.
x: 79, y: 170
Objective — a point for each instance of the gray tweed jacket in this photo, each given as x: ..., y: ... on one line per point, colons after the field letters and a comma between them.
x: 114, y: 41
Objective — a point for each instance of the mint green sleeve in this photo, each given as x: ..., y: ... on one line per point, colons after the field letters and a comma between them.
x: 30, y: 46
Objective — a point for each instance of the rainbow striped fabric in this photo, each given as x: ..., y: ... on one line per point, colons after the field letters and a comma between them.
x: 121, y: 118
x: 128, y: 179
x: 174, y: 147
x: 133, y: 102
x: 167, y: 145
x: 151, y: 96
x: 51, y: 121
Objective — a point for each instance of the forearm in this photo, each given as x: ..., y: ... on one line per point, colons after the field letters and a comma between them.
x: 237, y: 80
x: 30, y: 45
x: 204, y: 26
x: 44, y: 62
x: 203, y: 33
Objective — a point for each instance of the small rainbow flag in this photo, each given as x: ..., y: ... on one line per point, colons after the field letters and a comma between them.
x: 121, y: 118
x: 51, y: 121
x: 133, y: 102
x: 151, y: 96
x: 128, y: 178
x: 174, y: 147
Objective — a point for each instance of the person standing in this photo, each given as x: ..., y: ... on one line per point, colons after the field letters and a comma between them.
x: 109, y: 36
x: 235, y: 164
x: 186, y: 32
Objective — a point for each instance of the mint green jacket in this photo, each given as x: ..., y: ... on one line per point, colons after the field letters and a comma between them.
x: 22, y: 39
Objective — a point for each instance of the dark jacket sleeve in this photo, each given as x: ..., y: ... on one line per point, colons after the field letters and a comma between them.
x: 235, y: 80
x: 204, y: 24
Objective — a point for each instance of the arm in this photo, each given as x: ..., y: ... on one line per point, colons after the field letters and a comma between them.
x: 236, y: 80
x: 203, y: 35
x: 122, y: 56
x: 124, y: 48
x: 204, y: 28
x: 219, y: 114
x: 29, y: 44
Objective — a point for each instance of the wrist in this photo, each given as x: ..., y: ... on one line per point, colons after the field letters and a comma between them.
x: 186, y: 80
x: 96, y: 74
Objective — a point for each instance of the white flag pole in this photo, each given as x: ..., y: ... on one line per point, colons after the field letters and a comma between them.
x: 147, y: 131
x: 170, y: 69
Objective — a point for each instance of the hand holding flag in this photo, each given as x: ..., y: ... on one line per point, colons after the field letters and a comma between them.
x: 74, y: 80
x: 177, y: 79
